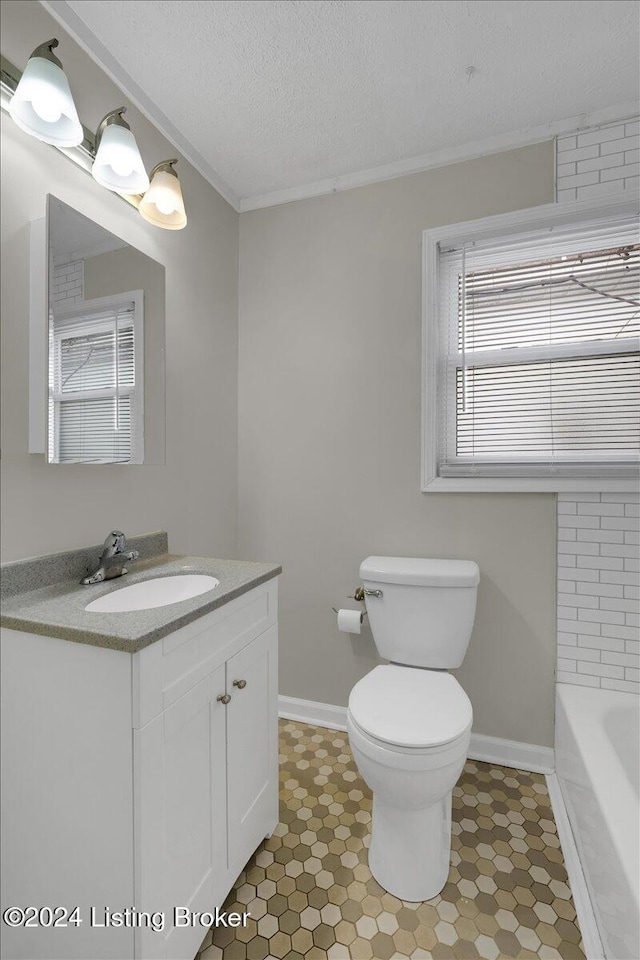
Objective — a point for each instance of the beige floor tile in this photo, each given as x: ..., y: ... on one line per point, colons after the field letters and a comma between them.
x: 311, y: 895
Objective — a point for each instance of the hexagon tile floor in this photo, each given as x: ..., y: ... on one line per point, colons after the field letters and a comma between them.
x: 310, y: 893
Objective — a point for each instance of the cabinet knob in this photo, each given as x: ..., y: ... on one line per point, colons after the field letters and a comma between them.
x: 224, y: 698
x: 240, y: 684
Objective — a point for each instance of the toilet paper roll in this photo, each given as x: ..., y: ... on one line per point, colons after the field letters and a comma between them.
x: 350, y: 621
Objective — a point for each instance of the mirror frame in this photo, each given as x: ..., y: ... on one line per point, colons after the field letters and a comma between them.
x: 38, y: 332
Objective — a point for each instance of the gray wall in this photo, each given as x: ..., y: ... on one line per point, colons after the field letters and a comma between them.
x: 329, y: 442
x: 193, y: 495
x: 329, y: 406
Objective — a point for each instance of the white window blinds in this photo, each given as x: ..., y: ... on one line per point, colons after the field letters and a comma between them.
x: 539, y: 369
x: 94, y: 400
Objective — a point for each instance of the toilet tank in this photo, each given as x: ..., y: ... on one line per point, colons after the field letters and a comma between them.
x: 424, y: 614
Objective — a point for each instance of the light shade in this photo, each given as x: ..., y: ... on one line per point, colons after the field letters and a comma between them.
x: 42, y: 104
x: 118, y: 165
x: 162, y: 204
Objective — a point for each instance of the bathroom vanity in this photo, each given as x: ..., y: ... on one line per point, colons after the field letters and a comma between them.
x: 140, y: 763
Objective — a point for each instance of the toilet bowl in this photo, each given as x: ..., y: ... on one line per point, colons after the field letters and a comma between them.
x: 412, y: 782
x: 409, y: 722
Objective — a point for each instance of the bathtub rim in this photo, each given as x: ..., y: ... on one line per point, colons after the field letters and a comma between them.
x: 591, y: 940
x: 581, y: 710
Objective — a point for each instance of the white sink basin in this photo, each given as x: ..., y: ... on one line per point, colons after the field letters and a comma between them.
x: 158, y: 592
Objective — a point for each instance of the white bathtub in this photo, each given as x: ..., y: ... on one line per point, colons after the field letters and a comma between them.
x: 597, y: 764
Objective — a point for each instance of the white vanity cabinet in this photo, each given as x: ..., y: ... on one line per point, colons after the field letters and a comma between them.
x: 205, y: 771
x: 188, y: 729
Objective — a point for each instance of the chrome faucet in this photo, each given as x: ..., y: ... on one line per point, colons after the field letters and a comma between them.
x: 113, y: 559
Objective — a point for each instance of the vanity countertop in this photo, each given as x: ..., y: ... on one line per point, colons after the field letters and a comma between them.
x: 58, y: 610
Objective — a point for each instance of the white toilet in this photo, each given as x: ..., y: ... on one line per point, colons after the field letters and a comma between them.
x: 409, y: 722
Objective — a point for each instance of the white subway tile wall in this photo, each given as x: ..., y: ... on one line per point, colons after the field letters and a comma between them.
x: 67, y: 282
x: 599, y: 533
x: 598, y: 592
x: 598, y: 161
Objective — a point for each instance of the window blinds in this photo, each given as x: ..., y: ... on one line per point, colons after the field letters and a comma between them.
x: 540, y: 365
x: 92, y: 385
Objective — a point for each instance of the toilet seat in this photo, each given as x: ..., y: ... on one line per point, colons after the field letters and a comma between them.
x: 410, y: 709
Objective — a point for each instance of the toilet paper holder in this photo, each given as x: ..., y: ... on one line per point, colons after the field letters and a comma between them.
x: 359, y: 594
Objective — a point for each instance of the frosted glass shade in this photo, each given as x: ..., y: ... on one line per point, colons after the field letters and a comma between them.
x: 162, y: 204
x: 43, y: 106
x: 118, y: 165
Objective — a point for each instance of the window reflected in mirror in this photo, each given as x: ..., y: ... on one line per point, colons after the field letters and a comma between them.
x: 105, y: 346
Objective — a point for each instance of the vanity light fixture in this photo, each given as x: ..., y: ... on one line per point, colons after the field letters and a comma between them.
x: 118, y: 165
x: 42, y: 104
x: 162, y: 204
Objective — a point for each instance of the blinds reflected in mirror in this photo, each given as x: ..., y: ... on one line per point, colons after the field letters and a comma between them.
x: 94, y: 398
x: 540, y: 371
x: 88, y: 362
x: 87, y: 431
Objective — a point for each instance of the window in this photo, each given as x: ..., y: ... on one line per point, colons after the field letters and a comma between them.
x: 532, y: 366
x: 96, y: 382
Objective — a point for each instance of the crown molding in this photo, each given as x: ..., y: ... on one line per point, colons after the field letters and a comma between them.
x: 442, y: 158
x: 77, y: 28
x: 99, y: 53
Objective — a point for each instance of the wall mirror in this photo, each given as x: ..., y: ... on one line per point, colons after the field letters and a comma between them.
x: 105, y: 349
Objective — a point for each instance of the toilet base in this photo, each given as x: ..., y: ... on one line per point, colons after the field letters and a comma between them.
x: 410, y: 848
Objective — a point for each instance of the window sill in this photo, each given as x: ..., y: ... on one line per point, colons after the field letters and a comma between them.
x: 529, y: 485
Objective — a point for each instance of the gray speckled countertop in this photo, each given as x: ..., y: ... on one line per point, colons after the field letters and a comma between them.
x: 57, y: 610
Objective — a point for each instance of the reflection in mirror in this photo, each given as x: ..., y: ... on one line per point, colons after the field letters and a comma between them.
x: 105, y: 399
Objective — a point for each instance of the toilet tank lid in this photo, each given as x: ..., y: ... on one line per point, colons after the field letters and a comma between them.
x: 420, y: 572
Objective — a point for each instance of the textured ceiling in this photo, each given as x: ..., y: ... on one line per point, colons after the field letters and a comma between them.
x: 275, y: 94
x: 74, y: 237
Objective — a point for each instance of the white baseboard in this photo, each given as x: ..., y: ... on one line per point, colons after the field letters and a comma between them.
x: 512, y: 753
x: 508, y: 753
x: 582, y: 901
x: 309, y: 711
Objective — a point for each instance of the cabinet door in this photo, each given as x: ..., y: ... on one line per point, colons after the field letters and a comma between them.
x: 180, y: 815
x: 252, y: 746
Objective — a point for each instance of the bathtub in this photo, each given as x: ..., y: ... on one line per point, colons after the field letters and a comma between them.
x: 597, y: 764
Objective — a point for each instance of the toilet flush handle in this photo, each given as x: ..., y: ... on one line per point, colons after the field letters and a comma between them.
x: 360, y: 593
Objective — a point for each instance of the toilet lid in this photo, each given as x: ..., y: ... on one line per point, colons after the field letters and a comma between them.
x: 410, y: 707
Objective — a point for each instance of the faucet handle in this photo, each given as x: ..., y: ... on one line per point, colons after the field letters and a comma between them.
x: 115, y: 539
x: 114, y: 544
